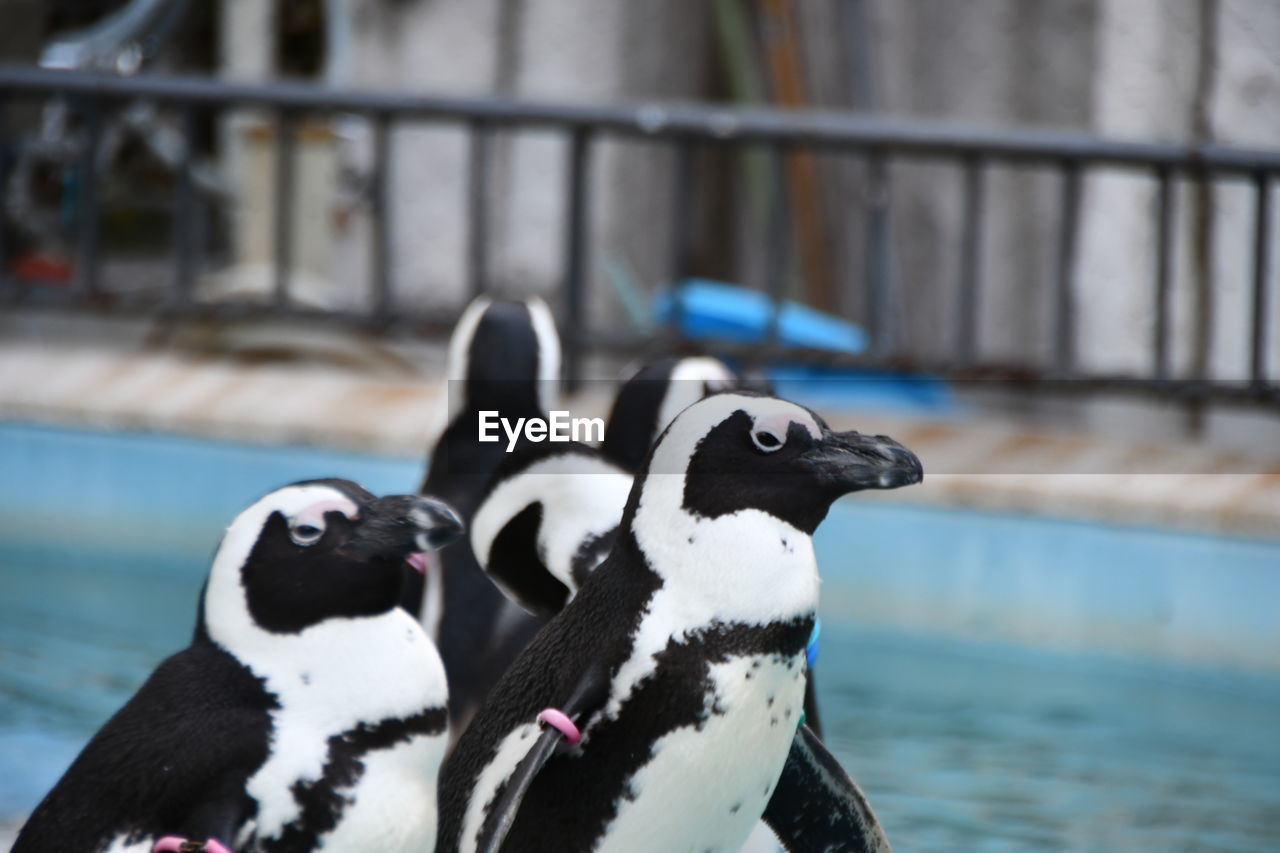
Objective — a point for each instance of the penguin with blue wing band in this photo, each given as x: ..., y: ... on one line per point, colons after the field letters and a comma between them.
x: 678, y: 667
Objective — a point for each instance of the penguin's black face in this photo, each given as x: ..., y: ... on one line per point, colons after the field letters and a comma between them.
x: 328, y: 548
x: 784, y: 460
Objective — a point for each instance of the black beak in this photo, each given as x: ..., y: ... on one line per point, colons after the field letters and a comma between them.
x: 437, y: 523
x: 850, y: 461
x: 400, y: 525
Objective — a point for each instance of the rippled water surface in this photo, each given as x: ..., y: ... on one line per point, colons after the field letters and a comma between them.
x: 962, y: 746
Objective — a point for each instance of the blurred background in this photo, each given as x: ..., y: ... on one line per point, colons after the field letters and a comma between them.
x: 1034, y: 240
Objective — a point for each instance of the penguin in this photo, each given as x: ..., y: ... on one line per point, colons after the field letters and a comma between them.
x: 652, y: 397
x: 530, y: 510
x: 550, y: 511
x: 548, y: 519
x: 308, y: 712
x: 661, y: 709
x: 504, y: 357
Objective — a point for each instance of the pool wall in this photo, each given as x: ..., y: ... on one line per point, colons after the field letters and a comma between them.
x: 1202, y: 600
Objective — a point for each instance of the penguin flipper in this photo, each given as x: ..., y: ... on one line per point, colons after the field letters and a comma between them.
x: 812, y: 720
x: 183, y: 746
x: 504, y: 811
x: 221, y: 812
x: 816, y: 806
x: 587, y: 695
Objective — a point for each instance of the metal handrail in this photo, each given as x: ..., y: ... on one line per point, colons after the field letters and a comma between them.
x: 683, y: 127
x: 729, y: 124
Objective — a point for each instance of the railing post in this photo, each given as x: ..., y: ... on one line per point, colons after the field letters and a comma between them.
x: 5, y: 282
x: 1064, y: 317
x: 380, y: 220
x: 967, y: 295
x: 877, y: 254
x: 682, y: 200
x: 1261, y: 272
x: 184, y: 214
x: 87, y: 274
x: 481, y: 146
x: 286, y: 138
x: 1164, y: 271
x: 575, y: 254
x: 778, y: 245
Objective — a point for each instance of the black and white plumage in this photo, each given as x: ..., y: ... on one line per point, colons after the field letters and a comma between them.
x: 681, y: 657
x: 504, y: 357
x: 308, y: 713
x: 652, y: 397
x: 549, y: 518
x: 551, y: 511
x: 540, y: 506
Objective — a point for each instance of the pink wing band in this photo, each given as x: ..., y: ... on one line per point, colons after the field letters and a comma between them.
x: 173, y: 844
x: 560, y: 721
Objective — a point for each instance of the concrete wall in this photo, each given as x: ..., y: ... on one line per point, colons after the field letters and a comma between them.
x: 568, y: 49
x: 1141, y: 69
x: 1162, y: 69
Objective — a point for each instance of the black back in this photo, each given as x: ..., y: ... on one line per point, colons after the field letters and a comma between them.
x: 633, y: 420
x: 502, y: 376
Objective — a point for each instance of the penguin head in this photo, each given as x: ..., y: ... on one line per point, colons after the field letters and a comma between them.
x: 653, y: 396
x: 318, y: 550
x: 505, y: 353
x: 738, y: 452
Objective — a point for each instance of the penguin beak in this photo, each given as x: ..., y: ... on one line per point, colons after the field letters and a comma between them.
x: 408, y: 526
x: 850, y: 461
x: 437, y: 524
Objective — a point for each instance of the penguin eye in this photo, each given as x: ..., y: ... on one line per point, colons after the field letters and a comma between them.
x: 767, y: 441
x: 305, y: 533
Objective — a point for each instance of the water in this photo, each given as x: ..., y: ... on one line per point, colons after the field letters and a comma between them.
x: 969, y: 746
x: 960, y: 744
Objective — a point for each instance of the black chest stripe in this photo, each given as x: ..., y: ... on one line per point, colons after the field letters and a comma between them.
x: 321, y: 803
x: 596, y: 779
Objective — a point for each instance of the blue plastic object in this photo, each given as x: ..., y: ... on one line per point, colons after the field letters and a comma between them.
x: 714, y: 310
x: 725, y: 312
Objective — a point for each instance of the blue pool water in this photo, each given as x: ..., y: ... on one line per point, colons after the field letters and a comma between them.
x: 967, y: 729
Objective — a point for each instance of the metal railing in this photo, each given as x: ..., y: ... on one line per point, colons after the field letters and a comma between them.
x: 685, y: 128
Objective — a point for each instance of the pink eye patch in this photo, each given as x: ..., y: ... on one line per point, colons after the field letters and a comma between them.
x: 314, y: 514
x: 779, y: 423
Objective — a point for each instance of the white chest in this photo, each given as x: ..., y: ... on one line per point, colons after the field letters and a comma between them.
x: 705, y: 788
x: 391, y: 808
x: 351, y: 676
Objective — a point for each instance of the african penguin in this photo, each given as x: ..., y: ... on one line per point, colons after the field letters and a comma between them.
x: 530, y: 518
x: 550, y: 512
x: 681, y: 659
x: 652, y: 397
x: 649, y: 400
x: 548, y: 519
x: 308, y: 713
x: 504, y: 356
